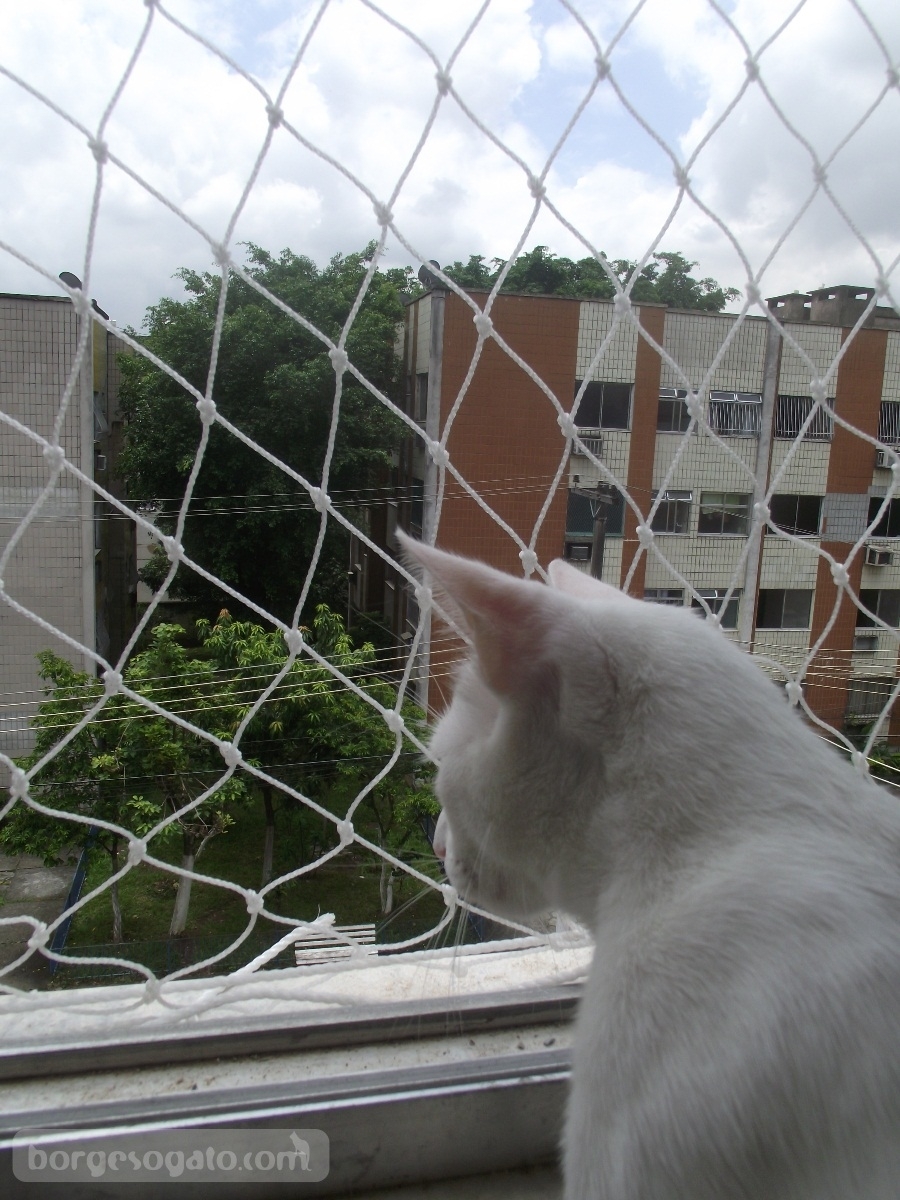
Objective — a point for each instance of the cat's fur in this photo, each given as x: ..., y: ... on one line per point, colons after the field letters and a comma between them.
x: 739, y: 1034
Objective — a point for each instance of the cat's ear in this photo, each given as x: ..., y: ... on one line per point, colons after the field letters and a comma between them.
x: 568, y: 579
x: 508, y: 619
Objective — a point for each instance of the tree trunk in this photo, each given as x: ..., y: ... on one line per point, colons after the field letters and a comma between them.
x: 114, y: 891
x: 269, y: 844
x: 183, y: 895
x: 386, y: 887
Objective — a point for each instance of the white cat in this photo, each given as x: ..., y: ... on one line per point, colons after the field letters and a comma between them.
x: 739, y: 1034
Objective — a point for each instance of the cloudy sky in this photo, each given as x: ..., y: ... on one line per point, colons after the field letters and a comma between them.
x: 191, y: 128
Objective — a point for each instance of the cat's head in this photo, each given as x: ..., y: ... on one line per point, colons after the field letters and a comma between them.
x: 579, y: 708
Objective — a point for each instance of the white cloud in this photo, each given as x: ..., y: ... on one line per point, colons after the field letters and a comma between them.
x: 192, y: 128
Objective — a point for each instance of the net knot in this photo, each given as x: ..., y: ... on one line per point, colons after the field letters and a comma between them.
x: 231, y: 753
x: 99, y: 149
x: 345, y: 833
x: 882, y: 287
x: 762, y: 511
x: 339, y: 360
x: 18, y: 783
x: 817, y: 390
x: 207, y: 410
x: 255, y: 903
x: 220, y: 253
x: 444, y: 82
x: 174, y: 550
x: 602, y: 66
x: 152, y: 988
x: 39, y: 938
x: 275, y: 115
x: 794, y: 692
x: 839, y: 574
x: 694, y: 405
x: 483, y: 324
x: 294, y: 640
x: 450, y: 894
x: 394, y: 722
x: 137, y: 851
x: 820, y: 174
x: 567, y: 425
x: 752, y: 67
x: 536, y: 188
x: 383, y: 214
x: 754, y: 295
x: 440, y: 456
x: 55, y: 456
x: 860, y: 761
x: 622, y: 304
x: 645, y: 535
x: 529, y: 561
x: 682, y: 178
x: 112, y: 682
x: 319, y: 499
x: 423, y: 596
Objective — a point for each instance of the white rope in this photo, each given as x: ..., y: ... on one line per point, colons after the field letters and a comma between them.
x: 267, y: 682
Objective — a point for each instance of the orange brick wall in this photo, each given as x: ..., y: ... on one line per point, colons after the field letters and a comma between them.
x: 505, y: 441
x: 850, y: 465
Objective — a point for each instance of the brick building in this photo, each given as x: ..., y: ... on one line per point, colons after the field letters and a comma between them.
x: 631, y: 411
x: 74, y: 564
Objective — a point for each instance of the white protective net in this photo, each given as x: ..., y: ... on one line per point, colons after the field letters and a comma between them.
x: 799, y: 416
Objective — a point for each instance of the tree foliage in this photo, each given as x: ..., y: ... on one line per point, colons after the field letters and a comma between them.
x: 138, y: 770
x: 666, y: 279
x: 250, y: 523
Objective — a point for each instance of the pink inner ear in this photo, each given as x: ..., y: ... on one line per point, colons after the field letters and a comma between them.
x: 509, y: 619
x: 569, y: 579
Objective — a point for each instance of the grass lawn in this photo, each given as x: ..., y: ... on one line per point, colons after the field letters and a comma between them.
x: 347, y: 886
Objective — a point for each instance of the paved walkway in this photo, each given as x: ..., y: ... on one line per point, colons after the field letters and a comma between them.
x: 28, y: 888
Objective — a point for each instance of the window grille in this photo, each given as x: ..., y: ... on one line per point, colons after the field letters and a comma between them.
x: 672, y: 414
x: 792, y: 411
x: 889, y: 422
x: 734, y: 414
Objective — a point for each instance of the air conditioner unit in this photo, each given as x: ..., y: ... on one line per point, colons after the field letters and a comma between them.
x: 883, y: 460
x: 878, y: 557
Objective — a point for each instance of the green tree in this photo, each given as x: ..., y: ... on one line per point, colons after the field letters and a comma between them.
x: 250, y: 524
x: 666, y: 279
x: 318, y: 732
x: 129, y: 766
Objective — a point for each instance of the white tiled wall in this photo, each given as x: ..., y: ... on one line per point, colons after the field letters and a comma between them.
x: 595, y: 319
x: 695, y: 340
x: 821, y: 344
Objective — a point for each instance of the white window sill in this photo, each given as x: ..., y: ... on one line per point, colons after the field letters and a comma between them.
x: 420, y: 1070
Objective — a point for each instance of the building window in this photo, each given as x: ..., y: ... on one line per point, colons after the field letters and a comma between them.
x: 580, y: 516
x: 673, y: 596
x: 889, y: 525
x: 792, y: 411
x: 884, y: 603
x: 889, y: 423
x: 783, y: 608
x: 799, y: 515
x: 727, y: 612
x: 867, y: 697
x: 734, y: 414
x: 672, y: 415
x: 421, y: 397
x: 674, y: 512
x: 725, y: 513
x: 603, y: 405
